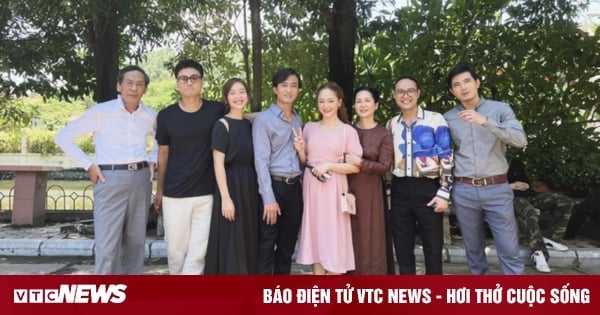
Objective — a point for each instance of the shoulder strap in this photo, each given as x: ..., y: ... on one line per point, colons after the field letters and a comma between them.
x: 344, y: 141
x: 225, y: 123
x: 344, y: 181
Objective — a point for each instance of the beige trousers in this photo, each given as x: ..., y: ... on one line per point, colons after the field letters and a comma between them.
x: 187, y: 224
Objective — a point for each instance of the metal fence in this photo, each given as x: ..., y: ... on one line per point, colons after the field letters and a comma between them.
x: 57, y: 198
x: 6, y: 200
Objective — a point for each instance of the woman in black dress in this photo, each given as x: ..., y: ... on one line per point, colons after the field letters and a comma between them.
x: 233, y: 236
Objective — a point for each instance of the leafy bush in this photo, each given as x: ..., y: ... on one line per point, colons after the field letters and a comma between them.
x: 527, y: 53
x: 53, y: 114
x: 15, y: 114
x: 10, y: 142
x: 41, y: 141
x: 86, y: 144
x: 565, y: 157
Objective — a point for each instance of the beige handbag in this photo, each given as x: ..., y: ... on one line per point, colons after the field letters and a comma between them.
x: 348, y: 203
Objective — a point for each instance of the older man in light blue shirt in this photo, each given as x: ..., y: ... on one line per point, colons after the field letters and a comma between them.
x: 122, y: 173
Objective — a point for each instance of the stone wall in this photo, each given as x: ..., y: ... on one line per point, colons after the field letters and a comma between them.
x: 71, y: 170
x: 68, y: 174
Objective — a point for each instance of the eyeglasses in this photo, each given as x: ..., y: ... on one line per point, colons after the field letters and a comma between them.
x: 185, y: 79
x: 409, y: 92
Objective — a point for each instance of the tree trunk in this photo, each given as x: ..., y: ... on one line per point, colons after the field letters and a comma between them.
x: 256, y: 56
x: 106, y: 48
x: 244, y: 43
x: 342, y: 39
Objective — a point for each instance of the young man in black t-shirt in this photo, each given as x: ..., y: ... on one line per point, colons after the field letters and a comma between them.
x: 186, y: 179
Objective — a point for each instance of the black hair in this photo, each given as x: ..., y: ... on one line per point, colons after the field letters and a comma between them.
x: 227, y: 87
x: 188, y: 63
x: 130, y: 68
x: 409, y: 77
x: 283, y: 74
x: 458, y: 69
x: 374, y: 92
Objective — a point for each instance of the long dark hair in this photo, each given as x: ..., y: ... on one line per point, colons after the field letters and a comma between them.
x: 227, y: 87
x: 339, y: 93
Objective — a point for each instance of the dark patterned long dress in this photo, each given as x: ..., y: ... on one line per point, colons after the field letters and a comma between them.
x: 369, y: 223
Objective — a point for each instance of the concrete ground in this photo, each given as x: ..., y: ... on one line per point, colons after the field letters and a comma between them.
x: 63, y: 248
x: 84, y: 266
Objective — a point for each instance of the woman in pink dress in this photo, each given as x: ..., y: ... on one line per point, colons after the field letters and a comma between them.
x: 325, y: 235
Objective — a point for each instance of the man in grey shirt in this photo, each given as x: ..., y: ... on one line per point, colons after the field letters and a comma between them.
x: 278, y: 170
x: 481, y: 130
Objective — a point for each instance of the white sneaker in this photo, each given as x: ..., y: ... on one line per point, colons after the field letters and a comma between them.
x: 555, y: 245
x: 539, y: 261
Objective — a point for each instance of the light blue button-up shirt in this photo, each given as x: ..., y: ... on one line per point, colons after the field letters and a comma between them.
x: 120, y: 137
x: 274, y: 152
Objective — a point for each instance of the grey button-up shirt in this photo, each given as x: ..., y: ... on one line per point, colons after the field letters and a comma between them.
x: 480, y: 150
x: 274, y: 152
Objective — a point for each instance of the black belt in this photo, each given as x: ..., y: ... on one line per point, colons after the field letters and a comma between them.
x: 286, y: 180
x: 124, y: 167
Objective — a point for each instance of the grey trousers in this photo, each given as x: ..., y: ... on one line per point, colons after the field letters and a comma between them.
x: 120, y: 216
x: 493, y: 203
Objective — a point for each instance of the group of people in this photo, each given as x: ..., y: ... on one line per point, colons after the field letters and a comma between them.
x: 241, y: 197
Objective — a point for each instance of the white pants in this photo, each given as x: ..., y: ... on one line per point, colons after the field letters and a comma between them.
x: 187, y: 223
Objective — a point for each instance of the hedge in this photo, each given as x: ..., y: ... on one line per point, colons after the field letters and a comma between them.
x: 38, y: 141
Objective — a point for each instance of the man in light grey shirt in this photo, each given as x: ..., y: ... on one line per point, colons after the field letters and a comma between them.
x: 481, y: 130
x: 278, y: 170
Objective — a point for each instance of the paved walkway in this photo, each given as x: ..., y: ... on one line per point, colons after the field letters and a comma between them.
x: 85, y: 266
x: 62, y: 240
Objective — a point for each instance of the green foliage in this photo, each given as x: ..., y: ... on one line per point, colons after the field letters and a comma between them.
x: 15, y: 114
x: 528, y: 53
x: 53, y: 114
x: 41, y: 43
x: 217, y: 43
x: 292, y: 38
x: 221, y: 61
x: 86, y: 143
x: 10, y: 142
x: 50, y: 45
x: 160, y: 94
x: 161, y: 91
x: 557, y: 159
x: 157, y: 64
x: 41, y: 141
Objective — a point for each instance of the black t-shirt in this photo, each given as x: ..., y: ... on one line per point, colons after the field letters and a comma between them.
x: 190, y: 170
